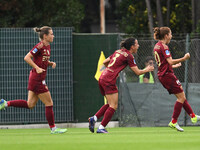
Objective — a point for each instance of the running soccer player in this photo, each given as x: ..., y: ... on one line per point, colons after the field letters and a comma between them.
x: 38, y: 58
x: 107, y: 81
x: 166, y: 75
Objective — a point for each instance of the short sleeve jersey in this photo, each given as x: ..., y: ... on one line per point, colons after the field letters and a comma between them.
x: 161, y: 53
x: 118, y: 61
x: 40, y: 58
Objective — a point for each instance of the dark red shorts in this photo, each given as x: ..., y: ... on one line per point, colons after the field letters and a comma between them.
x: 107, y: 88
x: 37, y: 86
x: 171, y: 83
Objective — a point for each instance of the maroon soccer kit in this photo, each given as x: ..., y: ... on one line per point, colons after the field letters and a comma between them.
x: 165, y: 71
x: 118, y: 61
x: 41, y: 57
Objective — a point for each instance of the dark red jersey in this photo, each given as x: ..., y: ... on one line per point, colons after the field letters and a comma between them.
x: 40, y: 58
x: 118, y: 61
x: 161, y: 53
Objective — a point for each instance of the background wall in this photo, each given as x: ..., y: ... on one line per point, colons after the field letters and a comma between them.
x: 86, y: 52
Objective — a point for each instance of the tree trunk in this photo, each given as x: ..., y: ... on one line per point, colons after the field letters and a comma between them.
x: 168, y: 12
x: 193, y: 16
x: 159, y: 14
x: 150, y: 16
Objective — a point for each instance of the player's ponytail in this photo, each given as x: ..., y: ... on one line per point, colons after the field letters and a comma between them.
x: 156, y: 31
x: 37, y: 30
x: 41, y: 31
x: 160, y: 32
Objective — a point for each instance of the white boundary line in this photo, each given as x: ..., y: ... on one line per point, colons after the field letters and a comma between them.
x: 111, y: 124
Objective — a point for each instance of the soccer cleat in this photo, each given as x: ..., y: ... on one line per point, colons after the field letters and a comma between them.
x: 91, y: 124
x: 2, y: 104
x: 195, y: 119
x: 58, y: 131
x: 102, y: 131
x: 175, y: 126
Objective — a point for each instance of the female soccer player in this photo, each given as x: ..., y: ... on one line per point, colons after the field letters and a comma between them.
x: 107, y: 81
x: 38, y: 58
x: 166, y: 75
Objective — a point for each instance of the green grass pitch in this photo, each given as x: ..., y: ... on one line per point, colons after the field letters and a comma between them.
x: 145, y: 138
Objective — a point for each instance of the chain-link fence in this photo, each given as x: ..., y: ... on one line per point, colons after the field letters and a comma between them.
x: 150, y: 104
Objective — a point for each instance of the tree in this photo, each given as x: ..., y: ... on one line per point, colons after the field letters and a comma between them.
x: 150, y: 16
x: 195, y: 15
x: 134, y: 18
x: 31, y: 13
x: 168, y: 12
x: 159, y: 13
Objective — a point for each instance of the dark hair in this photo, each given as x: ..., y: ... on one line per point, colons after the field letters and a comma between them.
x: 41, y: 31
x: 160, y: 32
x: 148, y: 58
x: 128, y: 43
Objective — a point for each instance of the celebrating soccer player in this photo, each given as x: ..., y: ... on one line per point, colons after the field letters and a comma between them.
x: 107, y: 81
x: 38, y: 59
x: 166, y: 75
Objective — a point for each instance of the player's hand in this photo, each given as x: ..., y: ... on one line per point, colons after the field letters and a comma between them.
x: 39, y: 70
x: 187, y: 56
x: 178, y: 65
x: 40, y: 45
x: 53, y: 65
x: 150, y: 68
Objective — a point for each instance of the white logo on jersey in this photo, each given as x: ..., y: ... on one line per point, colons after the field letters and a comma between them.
x: 178, y: 82
x: 167, y: 52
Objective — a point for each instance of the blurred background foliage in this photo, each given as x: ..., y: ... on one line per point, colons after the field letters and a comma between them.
x: 127, y: 16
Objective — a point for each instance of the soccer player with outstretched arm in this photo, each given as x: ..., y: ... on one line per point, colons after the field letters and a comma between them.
x: 166, y: 75
x: 38, y: 59
x: 107, y: 81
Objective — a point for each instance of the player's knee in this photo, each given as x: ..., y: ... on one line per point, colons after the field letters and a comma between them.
x: 49, y: 103
x: 114, y: 106
x: 30, y: 106
x: 181, y: 100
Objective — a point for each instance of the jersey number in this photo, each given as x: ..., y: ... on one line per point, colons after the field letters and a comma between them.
x: 114, y: 59
x: 157, y: 58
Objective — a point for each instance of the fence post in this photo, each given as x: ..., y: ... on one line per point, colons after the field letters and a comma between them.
x: 186, y: 73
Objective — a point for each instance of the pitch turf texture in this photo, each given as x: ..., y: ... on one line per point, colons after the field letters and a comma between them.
x: 146, y: 138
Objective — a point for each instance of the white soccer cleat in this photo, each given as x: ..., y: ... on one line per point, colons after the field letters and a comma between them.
x: 175, y: 126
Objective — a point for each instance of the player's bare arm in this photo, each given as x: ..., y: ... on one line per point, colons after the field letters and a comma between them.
x: 139, y: 71
x: 176, y: 61
x: 28, y: 59
x: 176, y: 65
x: 106, y: 61
x: 52, y: 64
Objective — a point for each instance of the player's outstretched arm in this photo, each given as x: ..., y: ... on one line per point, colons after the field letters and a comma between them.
x: 176, y: 61
x: 139, y: 71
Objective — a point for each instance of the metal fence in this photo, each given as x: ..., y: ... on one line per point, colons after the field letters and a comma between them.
x: 15, y: 43
x: 150, y: 104
x: 139, y: 104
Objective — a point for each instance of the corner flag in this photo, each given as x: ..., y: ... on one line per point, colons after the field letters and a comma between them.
x: 100, y: 66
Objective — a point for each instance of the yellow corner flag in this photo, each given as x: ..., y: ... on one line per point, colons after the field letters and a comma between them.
x: 99, y: 67
x: 100, y: 70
